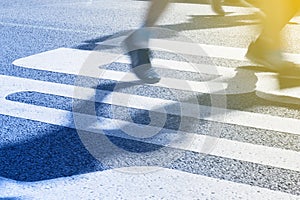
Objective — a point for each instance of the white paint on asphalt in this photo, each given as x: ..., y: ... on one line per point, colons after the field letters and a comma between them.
x: 159, y: 183
x: 190, y: 48
x: 66, y: 60
x: 230, y: 81
x: 71, y: 61
x: 243, y: 118
x: 164, y: 183
x: 269, y: 87
x: 232, y: 149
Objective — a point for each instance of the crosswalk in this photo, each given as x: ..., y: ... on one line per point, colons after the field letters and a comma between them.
x: 197, y: 143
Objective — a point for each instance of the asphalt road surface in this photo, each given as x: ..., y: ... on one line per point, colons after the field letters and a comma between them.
x: 75, y: 123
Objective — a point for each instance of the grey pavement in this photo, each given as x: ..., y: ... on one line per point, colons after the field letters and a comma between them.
x: 76, y: 124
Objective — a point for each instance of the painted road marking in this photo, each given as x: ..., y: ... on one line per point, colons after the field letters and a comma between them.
x: 269, y: 87
x: 67, y: 60
x: 242, y: 118
x: 71, y: 61
x: 189, y: 48
x: 83, y: 186
x: 161, y: 183
x: 231, y: 149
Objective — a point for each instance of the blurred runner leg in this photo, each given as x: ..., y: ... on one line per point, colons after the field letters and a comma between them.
x: 267, y: 49
x: 137, y: 44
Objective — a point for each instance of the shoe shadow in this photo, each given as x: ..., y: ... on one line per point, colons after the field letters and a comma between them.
x: 265, y: 86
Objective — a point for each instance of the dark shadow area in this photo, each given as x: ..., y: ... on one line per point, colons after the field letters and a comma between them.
x: 284, y: 83
x: 285, y: 79
x: 196, y: 22
x: 214, y: 21
x: 138, y: 116
x: 92, y: 43
x: 115, y: 144
x: 57, y: 153
x: 225, y: 3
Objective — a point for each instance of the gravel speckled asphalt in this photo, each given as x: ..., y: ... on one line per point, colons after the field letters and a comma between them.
x: 38, y: 157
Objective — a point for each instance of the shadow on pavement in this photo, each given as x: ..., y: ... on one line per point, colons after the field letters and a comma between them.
x: 59, y: 152
x: 55, y: 154
x: 214, y: 21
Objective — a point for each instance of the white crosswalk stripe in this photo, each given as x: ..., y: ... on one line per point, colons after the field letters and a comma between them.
x: 71, y: 61
x: 168, y: 183
x: 225, y: 148
x: 192, y: 48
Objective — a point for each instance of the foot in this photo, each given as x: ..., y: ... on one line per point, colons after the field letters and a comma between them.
x: 141, y: 66
x: 217, y: 7
x: 140, y: 59
x: 260, y: 53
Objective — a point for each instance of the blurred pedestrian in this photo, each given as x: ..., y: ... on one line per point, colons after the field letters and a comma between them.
x: 267, y: 49
x: 137, y: 43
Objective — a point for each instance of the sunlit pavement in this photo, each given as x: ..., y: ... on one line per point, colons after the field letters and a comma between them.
x: 76, y: 124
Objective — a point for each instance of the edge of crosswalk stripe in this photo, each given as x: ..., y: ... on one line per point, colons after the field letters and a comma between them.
x: 278, y: 97
x: 73, y: 59
x: 189, y: 48
x: 280, y: 158
x: 160, y: 182
x: 268, y: 87
x: 70, y: 66
x: 242, y: 118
